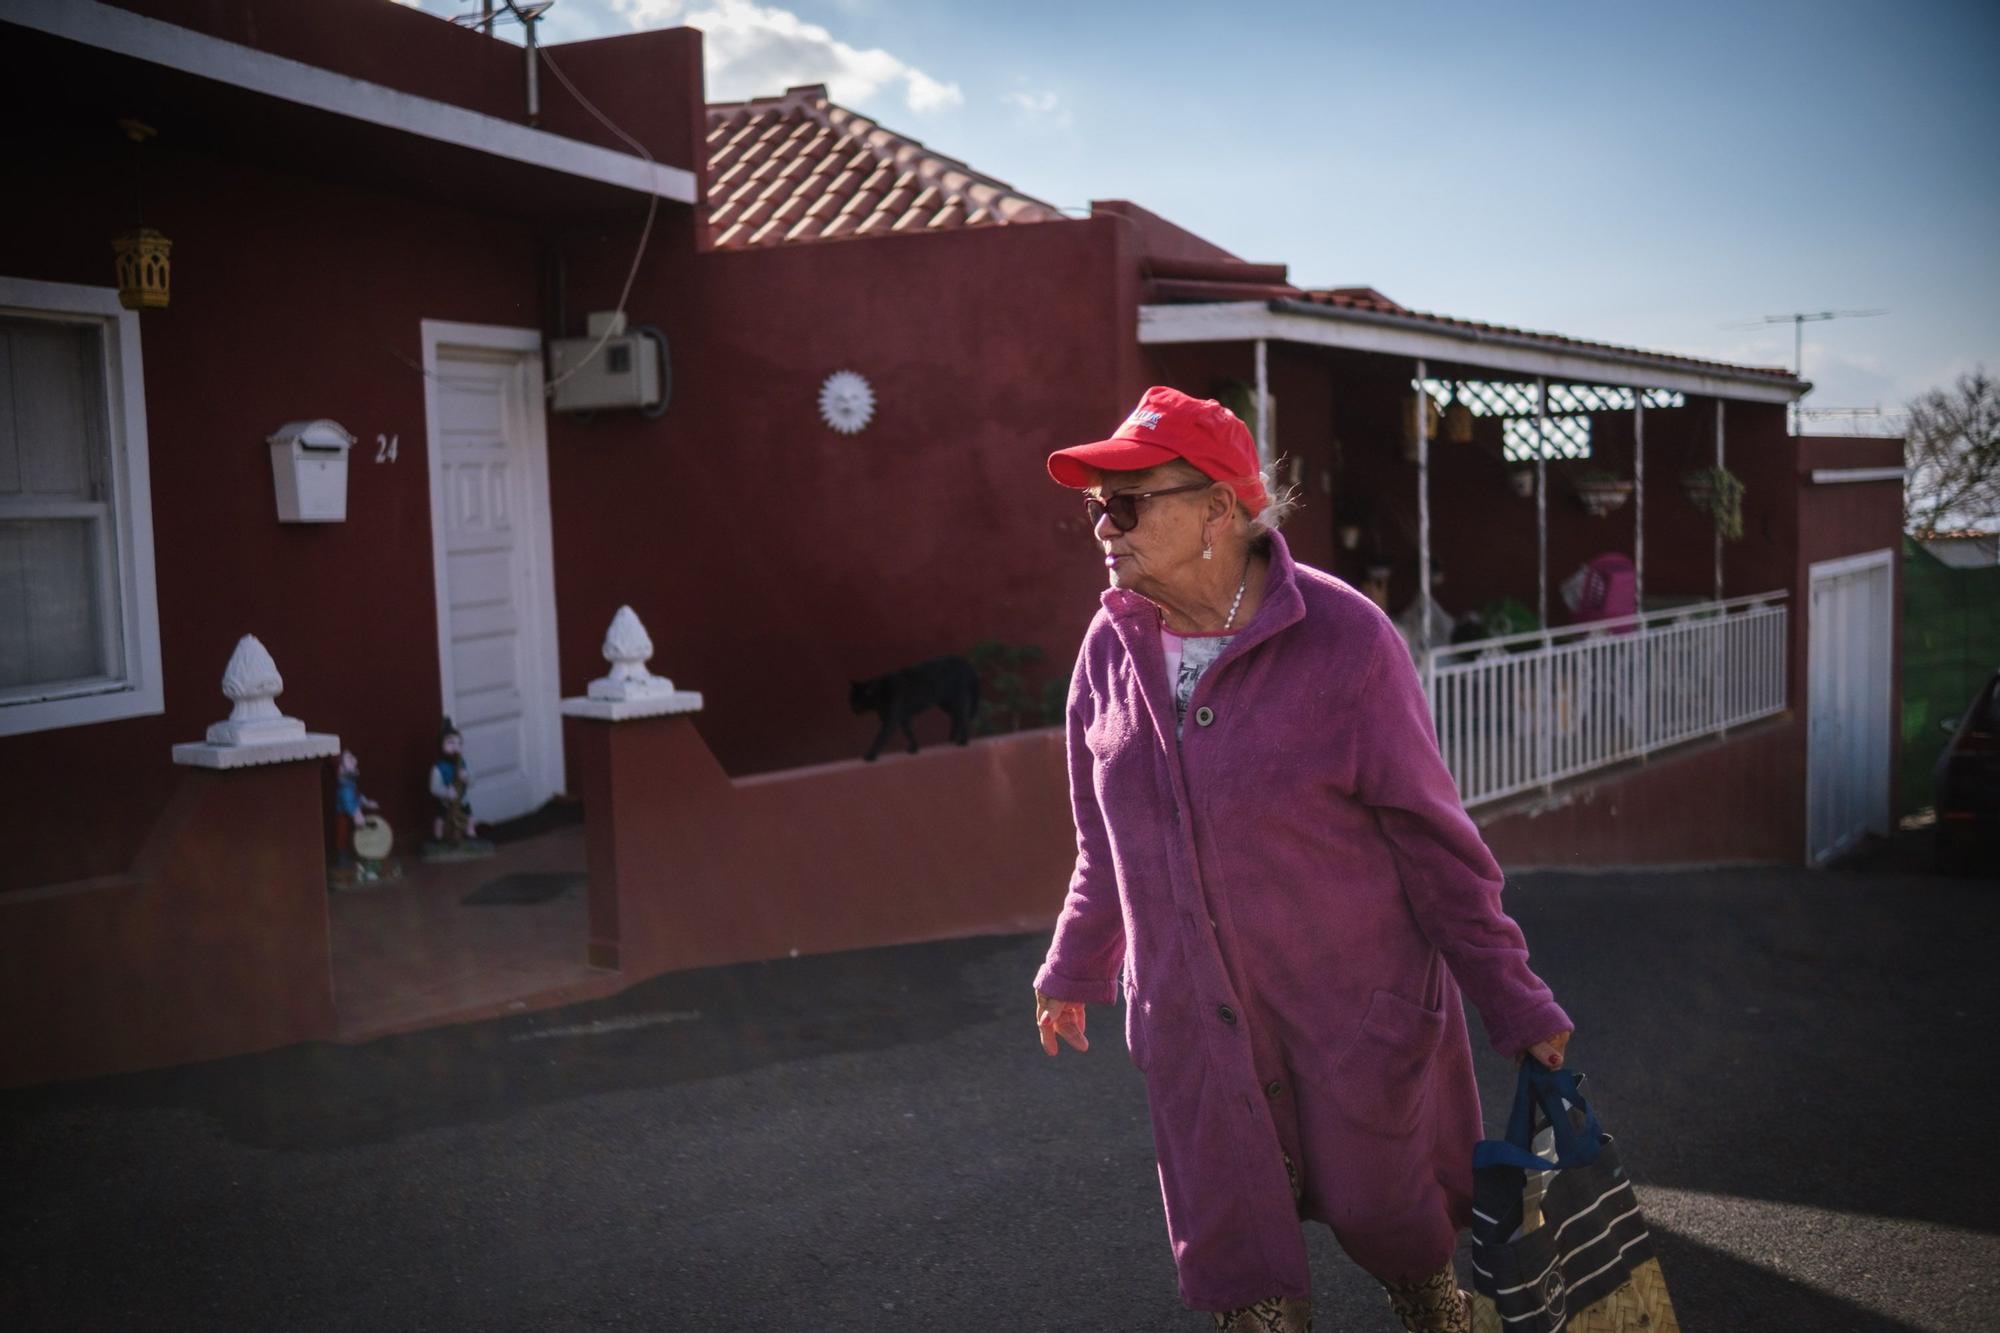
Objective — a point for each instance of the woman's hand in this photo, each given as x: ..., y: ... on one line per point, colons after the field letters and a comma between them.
x: 1059, y: 1018
x: 1549, y: 1051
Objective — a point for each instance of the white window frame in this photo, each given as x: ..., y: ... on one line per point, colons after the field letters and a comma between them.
x: 136, y: 690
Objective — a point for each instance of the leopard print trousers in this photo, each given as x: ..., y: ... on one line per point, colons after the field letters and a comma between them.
x: 1431, y: 1305
x: 1277, y: 1315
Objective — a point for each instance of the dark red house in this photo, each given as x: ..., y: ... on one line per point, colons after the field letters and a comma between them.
x: 374, y: 226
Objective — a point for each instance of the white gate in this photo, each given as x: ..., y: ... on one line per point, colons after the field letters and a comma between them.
x: 1527, y: 710
x: 490, y: 542
x: 1849, y: 636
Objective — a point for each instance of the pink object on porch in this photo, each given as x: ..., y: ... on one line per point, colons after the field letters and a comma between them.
x: 1607, y: 587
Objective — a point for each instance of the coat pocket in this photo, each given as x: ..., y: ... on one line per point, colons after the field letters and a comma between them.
x: 1381, y: 1081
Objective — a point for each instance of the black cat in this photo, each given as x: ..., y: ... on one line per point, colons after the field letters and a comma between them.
x: 949, y: 683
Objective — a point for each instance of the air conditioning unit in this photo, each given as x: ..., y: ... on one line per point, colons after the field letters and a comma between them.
x: 609, y: 368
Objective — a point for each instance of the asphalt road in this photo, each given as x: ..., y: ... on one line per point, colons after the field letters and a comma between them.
x: 1799, y: 1069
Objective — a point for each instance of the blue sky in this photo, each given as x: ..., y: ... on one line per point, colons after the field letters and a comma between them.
x: 1645, y: 174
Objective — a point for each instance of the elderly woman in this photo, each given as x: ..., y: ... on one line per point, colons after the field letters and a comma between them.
x: 1273, y: 866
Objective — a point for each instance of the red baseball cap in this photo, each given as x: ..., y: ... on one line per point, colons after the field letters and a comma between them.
x: 1167, y: 424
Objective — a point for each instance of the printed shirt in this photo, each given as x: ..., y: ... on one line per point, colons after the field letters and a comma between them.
x: 1189, y: 656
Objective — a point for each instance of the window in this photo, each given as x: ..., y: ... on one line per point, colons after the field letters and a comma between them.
x: 79, y: 630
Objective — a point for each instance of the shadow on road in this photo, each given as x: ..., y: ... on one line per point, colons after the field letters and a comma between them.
x: 1742, y: 1296
x: 673, y: 1029
x: 1820, y: 1038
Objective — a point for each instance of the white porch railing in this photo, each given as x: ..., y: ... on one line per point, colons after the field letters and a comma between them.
x: 1525, y: 710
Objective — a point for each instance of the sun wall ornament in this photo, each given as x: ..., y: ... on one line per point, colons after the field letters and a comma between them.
x: 846, y: 403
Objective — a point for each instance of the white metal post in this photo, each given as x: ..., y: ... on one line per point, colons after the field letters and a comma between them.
x: 1545, y: 691
x: 1542, y: 500
x: 1718, y: 659
x: 1718, y: 529
x: 1264, y: 457
x: 1641, y: 720
x: 1798, y: 408
x: 1639, y: 499
x: 1423, y: 523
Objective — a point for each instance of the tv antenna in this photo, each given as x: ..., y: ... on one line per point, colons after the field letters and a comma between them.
x: 492, y: 13
x: 487, y: 16
x: 1798, y: 319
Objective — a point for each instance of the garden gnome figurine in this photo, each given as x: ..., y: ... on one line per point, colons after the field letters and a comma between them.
x: 454, y: 831
x: 350, y: 807
x: 361, y: 836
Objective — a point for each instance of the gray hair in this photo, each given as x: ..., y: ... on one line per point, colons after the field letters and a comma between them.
x: 1281, y: 500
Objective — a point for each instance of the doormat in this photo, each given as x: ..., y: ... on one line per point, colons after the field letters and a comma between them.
x: 525, y: 888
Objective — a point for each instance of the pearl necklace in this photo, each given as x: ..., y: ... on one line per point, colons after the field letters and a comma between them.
x: 1241, y: 584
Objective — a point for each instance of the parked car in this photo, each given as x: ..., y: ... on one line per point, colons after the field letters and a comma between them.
x: 1968, y: 787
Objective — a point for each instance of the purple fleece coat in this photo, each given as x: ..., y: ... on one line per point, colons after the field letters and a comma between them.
x: 1292, y: 901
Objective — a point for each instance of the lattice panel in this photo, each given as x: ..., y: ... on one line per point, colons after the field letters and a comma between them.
x: 1507, y: 398
x: 1523, y: 441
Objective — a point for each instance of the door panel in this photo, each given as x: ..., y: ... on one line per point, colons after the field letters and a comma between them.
x: 1849, y: 681
x: 495, y: 643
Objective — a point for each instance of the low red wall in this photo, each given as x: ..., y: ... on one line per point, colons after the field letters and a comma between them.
x: 689, y: 868
x: 214, y: 944
x: 1734, y: 799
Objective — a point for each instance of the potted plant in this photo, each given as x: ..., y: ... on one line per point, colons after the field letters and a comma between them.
x: 1718, y: 493
x: 1005, y: 700
x: 1599, y: 491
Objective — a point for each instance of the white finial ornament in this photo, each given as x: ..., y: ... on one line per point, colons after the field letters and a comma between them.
x: 252, y: 683
x: 629, y: 648
x: 255, y: 732
x: 631, y: 690
x: 846, y: 403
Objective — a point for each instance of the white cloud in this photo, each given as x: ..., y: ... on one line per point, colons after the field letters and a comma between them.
x: 927, y: 94
x: 756, y: 50
x: 649, y: 13
x: 1037, y: 107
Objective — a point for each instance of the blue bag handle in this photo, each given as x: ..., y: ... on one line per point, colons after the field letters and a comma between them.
x: 1544, y: 1089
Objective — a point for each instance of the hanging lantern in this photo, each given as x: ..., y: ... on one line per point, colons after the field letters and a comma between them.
x: 143, y: 268
x: 1458, y: 419
x: 1409, y: 425
x: 142, y: 254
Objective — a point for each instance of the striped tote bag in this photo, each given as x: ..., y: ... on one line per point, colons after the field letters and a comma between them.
x: 1558, y: 1243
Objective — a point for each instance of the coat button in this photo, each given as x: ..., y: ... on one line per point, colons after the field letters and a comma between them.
x: 1204, y: 715
x: 1273, y: 1088
x: 1226, y: 1014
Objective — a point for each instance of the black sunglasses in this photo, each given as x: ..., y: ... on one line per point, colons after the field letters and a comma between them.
x: 1124, y: 508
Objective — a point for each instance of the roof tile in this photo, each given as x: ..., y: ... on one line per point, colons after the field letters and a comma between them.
x: 800, y: 168
x: 1373, y: 302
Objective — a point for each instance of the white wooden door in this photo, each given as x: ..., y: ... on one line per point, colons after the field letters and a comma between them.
x: 1847, y: 779
x: 490, y: 541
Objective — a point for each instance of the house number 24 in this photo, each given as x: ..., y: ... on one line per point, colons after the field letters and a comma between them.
x: 385, y: 448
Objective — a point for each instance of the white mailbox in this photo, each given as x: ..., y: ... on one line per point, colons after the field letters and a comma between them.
x: 309, y: 466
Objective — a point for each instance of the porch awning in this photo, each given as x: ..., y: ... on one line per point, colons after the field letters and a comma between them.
x: 1318, y: 321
